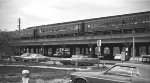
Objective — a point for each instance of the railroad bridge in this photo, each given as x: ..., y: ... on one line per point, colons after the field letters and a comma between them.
x: 117, y: 34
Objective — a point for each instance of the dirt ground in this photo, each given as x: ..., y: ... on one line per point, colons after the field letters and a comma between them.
x: 10, y: 72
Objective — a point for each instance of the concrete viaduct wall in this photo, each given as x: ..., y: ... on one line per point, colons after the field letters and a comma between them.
x: 111, y: 44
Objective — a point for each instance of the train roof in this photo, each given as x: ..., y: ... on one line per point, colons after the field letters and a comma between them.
x: 84, y: 20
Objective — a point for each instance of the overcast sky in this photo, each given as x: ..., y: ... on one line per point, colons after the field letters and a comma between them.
x: 41, y: 12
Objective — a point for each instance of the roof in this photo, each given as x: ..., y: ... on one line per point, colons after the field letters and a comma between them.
x: 143, y: 68
x: 83, y: 20
x: 139, y: 65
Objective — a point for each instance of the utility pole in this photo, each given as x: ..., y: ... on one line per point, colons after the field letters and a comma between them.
x: 19, y: 25
x: 133, y: 45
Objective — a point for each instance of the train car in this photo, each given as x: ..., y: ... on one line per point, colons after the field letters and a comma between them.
x: 13, y: 34
x: 139, y: 22
x: 120, y: 24
x: 98, y: 26
x: 60, y: 29
x: 27, y: 33
x: 22, y: 34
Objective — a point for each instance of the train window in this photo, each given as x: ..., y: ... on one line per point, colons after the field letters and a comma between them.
x: 50, y: 30
x: 88, y: 25
x: 76, y: 27
x: 143, y: 21
x: 64, y: 28
x: 79, y: 27
x: 123, y: 22
x: 21, y: 34
x: 147, y: 21
x: 72, y: 28
x: 68, y: 28
x: 28, y: 32
x: 135, y: 22
x: 40, y: 31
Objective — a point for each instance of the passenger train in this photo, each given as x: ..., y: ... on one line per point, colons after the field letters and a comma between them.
x: 120, y: 24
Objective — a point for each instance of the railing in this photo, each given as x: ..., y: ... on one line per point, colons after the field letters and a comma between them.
x: 90, y: 37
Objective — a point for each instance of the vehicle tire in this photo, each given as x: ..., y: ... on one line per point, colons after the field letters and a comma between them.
x: 65, y: 63
x: 91, y: 64
x: 81, y: 81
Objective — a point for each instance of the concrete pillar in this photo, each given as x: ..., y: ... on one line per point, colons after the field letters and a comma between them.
x: 72, y: 50
x: 137, y: 51
x: 53, y: 50
x: 46, y: 51
x: 93, y: 50
x: 120, y: 48
x: 102, y: 50
x: 129, y: 51
x: 80, y: 50
x: 147, y: 49
x: 111, y: 52
x: 34, y: 50
x: 20, y: 50
x: 63, y: 46
x: 29, y: 50
x: 24, y: 50
x: 84, y: 52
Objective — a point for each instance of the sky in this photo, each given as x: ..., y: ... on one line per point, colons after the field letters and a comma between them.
x: 42, y: 12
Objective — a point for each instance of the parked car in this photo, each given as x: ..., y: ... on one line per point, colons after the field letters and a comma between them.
x: 62, y: 55
x: 35, y: 58
x: 146, y: 58
x: 19, y: 58
x: 117, y: 57
x: 79, y: 60
x: 119, y: 73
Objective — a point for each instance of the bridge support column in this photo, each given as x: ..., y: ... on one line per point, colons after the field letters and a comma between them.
x: 120, y: 48
x: 102, y: 50
x: 36, y: 50
x: 46, y: 51
x: 80, y: 50
x: 53, y: 50
x: 93, y: 51
x: 21, y: 50
x: 72, y: 50
x: 111, y: 52
x: 84, y: 50
x: 130, y: 51
x: 49, y: 51
x: 27, y: 50
x: 147, y: 49
x: 63, y: 50
x: 30, y: 49
x: 137, y: 50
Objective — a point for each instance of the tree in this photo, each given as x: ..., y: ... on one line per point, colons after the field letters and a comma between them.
x: 5, y: 47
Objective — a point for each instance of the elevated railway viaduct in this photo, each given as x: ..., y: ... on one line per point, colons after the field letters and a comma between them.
x: 117, y: 34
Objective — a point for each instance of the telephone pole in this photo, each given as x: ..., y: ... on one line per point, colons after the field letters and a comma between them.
x: 133, y: 39
x: 19, y: 25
